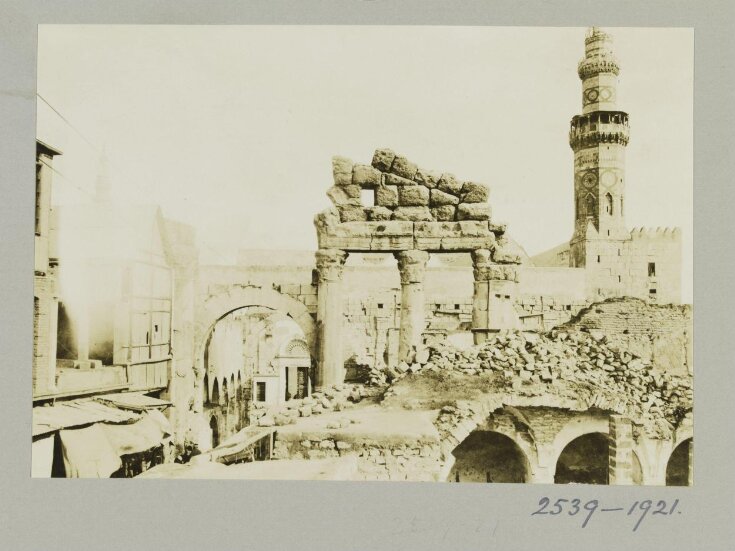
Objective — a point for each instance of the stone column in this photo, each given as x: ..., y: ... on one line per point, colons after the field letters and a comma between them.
x: 493, y: 305
x: 620, y: 465
x: 412, y: 265
x: 690, y: 449
x: 330, y: 367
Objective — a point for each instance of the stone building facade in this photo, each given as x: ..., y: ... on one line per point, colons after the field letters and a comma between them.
x: 45, y: 288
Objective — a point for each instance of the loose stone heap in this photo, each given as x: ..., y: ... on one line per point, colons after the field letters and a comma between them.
x: 601, y: 374
x: 335, y: 398
x: 403, y: 191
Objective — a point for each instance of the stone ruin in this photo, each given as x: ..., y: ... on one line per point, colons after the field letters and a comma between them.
x: 404, y: 191
x: 416, y: 212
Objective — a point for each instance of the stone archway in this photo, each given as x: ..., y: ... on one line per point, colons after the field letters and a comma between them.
x: 678, y: 468
x: 215, y: 307
x: 489, y: 456
x: 584, y: 460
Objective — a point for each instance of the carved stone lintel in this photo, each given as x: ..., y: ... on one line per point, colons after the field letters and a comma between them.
x: 330, y: 264
x: 412, y: 265
x: 484, y: 269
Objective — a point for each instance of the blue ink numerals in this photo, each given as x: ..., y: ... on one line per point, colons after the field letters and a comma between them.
x: 574, y: 506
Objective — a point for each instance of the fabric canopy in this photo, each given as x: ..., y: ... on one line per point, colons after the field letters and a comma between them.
x: 138, y: 437
x: 87, y: 453
x: 42, y: 457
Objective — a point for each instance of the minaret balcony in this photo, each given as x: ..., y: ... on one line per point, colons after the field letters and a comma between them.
x: 599, y: 127
x: 590, y: 67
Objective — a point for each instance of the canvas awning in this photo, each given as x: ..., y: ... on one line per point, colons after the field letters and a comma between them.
x: 42, y: 457
x: 87, y: 453
x: 232, y: 448
x: 150, y: 432
x: 47, y: 419
x: 135, y: 401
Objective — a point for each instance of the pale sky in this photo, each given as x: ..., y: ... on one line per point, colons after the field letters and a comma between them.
x: 232, y: 128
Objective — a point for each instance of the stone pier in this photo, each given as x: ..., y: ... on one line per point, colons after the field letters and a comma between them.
x: 620, y: 451
x: 412, y: 266
x: 493, y: 306
x: 330, y: 368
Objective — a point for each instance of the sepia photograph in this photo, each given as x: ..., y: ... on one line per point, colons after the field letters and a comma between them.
x: 364, y: 253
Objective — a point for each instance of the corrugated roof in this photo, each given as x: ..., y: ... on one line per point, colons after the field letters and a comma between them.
x: 136, y: 401
x: 76, y: 413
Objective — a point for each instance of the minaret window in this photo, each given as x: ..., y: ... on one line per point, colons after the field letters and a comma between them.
x: 590, y: 206
x: 621, y: 202
x: 608, y: 204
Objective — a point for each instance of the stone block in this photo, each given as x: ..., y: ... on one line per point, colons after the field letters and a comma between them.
x: 449, y: 184
x: 414, y: 214
x: 347, y: 195
x: 506, y: 252
x: 444, y: 213
x: 386, y: 196
x: 365, y: 176
x: 473, y: 192
x: 342, y: 170
x: 473, y: 211
x: 440, y: 198
x: 378, y: 213
x: 266, y: 421
x: 383, y: 159
x: 352, y: 214
x: 413, y: 196
x: 427, y: 178
x: 395, y: 180
x: 403, y: 167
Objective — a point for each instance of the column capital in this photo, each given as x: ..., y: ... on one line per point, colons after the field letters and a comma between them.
x: 412, y: 265
x: 330, y: 264
x: 484, y: 269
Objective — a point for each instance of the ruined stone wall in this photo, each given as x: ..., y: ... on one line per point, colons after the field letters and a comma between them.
x: 661, y: 334
x: 412, y: 461
x: 620, y: 267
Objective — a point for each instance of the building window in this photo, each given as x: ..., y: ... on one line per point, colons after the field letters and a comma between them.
x: 652, y: 292
x: 380, y: 305
x: 456, y: 306
x: 608, y: 204
x: 260, y: 392
x: 620, y: 279
x: 621, y: 202
x: 598, y: 258
x: 651, y: 269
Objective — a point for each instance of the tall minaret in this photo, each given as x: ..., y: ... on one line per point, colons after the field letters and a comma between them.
x: 598, y: 138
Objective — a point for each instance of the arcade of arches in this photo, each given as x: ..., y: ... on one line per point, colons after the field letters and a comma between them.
x: 581, y: 449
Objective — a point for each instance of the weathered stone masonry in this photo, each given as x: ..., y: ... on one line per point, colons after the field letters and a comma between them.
x: 414, y: 215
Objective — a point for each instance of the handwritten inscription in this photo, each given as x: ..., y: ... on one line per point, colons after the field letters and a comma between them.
x: 639, y: 510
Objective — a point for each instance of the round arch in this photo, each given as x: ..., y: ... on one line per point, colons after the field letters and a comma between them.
x: 215, y: 307
x: 584, y: 460
x: 677, y: 466
x: 489, y: 456
x: 576, y: 427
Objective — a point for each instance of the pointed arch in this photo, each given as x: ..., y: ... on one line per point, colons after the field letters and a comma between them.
x: 609, y: 204
x: 214, y: 398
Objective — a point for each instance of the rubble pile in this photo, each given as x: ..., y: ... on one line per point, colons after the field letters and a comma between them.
x: 335, y: 398
x: 601, y: 374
